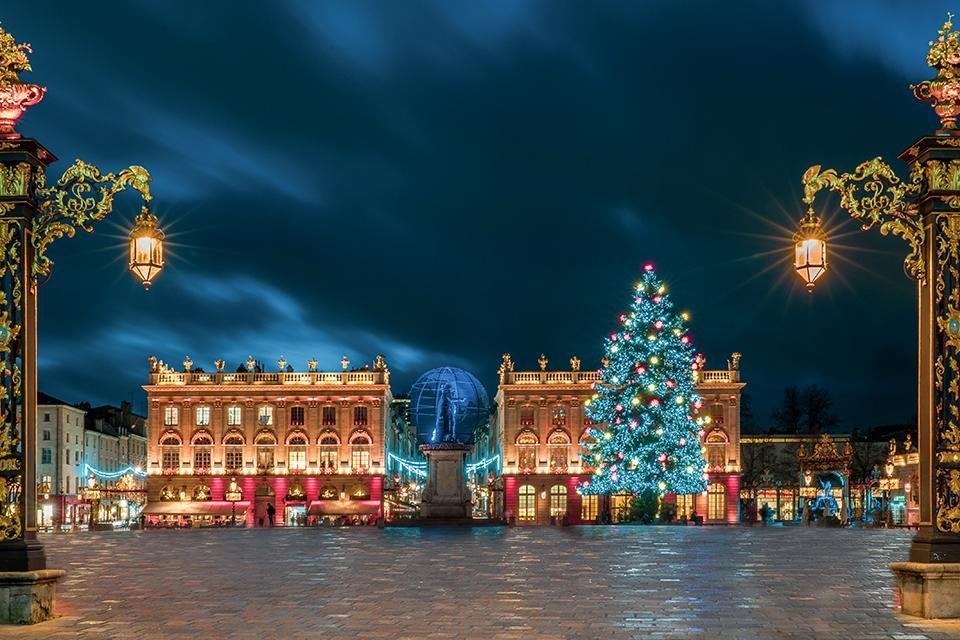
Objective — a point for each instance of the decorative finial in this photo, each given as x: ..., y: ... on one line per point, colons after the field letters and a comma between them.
x: 251, y: 364
x: 153, y: 364
x: 943, y: 92
x: 733, y: 364
x: 543, y: 362
x: 344, y: 362
x: 187, y: 364
x: 312, y: 364
x: 282, y: 364
x: 219, y: 364
x: 506, y: 366
x: 575, y: 363
x: 15, y: 96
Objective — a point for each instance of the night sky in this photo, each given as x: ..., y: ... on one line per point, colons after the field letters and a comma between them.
x: 446, y: 181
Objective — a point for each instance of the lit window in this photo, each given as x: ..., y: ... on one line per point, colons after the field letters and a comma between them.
x: 329, y: 447
x: 589, y: 507
x: 203, y: 416
x: 527, y: 450
x: 359, y: 458
x: 716, y: 501
x: 171, y: 416
x: 557, y: 445
x: 559, y: 416
x: 234, y: 416
x: 620, y: 507
x: 265, y: 416
x: 558, y: 501
x: 201, y: 459
x: 233, y: 458
x: 171, y: 459
x: 527, y: 503
x: 685, y: 505
x: 297, y: 452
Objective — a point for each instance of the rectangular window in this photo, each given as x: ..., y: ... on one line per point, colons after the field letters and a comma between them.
x: 264, y: 457
x: 171, y: 459
x: 329, y: 416
x: 171, y: 416
x: 328, y: 457
x: 527, y: 503
x: 620, y: 507
x: 46, y: 456
x: 360, y: 458
x: 716, y: 455
x: 234, y: 416
x: 297, y: 458
x: 716, y: 501
x: 527, y: 454
x: 589, y: 506
x: 76, y: 457
x: 233, y: 460
x: 46, y: 434
x: 716, y: 414
x: 46, y: 417
x: 296, y: 416
x: 265, y: 416
x: 685, y: 505
x: 201, y: 459
x: 203, y: 416
x: 67, y: 457
x: 526, y: 417
x: 359, y: 416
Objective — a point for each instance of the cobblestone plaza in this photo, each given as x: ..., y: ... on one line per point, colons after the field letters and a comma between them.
x: 488, y: 582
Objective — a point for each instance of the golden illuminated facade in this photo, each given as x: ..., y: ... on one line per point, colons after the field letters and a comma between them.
x: 541, y: 421
x: 302, y: 447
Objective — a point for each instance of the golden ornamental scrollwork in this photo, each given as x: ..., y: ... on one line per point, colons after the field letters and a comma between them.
x: 875, y: 195
x: 83, y: 195
x: 9, y: 509
x: 948, y: 511
x: 14, y: 179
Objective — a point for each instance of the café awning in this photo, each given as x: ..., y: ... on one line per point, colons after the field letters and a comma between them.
x: 343, y: 507
x: 194, y: 508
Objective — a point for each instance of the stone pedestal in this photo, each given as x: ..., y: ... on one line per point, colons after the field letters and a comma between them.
x: 445, y: 494
x: 26, y: 597
x: 927, y: 589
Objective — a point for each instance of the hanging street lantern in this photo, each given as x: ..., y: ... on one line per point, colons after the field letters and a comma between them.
x: 810, y: 250
x: 146, y: 248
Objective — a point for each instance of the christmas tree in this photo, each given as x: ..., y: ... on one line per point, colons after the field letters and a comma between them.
x: 645, y: 403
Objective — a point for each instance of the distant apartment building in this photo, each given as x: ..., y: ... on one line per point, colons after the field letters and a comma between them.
x: 60, y: 458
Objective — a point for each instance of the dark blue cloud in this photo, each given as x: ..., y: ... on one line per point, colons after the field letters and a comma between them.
x: 446, y: 181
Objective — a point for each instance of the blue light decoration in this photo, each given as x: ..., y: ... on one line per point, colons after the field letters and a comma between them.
x: 112, y: 475
x: 485, y: 463
x: 415, y: 467
x: 448, y: 391
x: 645, y: 403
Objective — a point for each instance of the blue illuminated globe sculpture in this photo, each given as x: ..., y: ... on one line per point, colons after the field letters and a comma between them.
x: 451, y: 395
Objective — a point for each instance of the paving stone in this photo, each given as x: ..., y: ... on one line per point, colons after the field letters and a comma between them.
x: 509, y: 583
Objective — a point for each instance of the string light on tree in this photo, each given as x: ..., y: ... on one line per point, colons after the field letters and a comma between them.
x: 646, y: 401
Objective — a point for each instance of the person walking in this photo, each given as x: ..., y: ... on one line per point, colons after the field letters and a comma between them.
x: 271, y: 513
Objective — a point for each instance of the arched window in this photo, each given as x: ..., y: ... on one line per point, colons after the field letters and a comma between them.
x: 558, y: 445
x: 360, y: 451
x: 171, y: 439
x: 233, y: 451
x: 716, y: 444
x: 202, y: 443
x: 716, y: 501
x: 296, y: 451
x: 329, y: 443
x: 527, y: 442
x: 527, y: 503
x: 558, y: 501
x: 202, y: 438
x: 170, y: 443
x: 266, y: 442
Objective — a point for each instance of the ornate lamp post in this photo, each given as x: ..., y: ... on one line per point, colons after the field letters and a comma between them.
x: 33, y: 214
x: 924, y: 210
x: 233, y: 495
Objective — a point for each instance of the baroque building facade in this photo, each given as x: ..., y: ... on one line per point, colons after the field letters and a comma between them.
x: 541, y: 423
x: 261, y: 447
